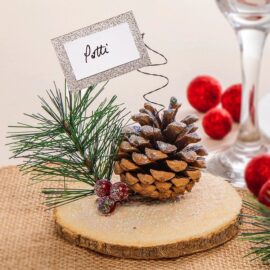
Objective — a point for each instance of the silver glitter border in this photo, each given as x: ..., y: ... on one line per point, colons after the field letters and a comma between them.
x: 76, y: 85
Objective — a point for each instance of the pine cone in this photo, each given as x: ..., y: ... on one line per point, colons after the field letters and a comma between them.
x: 160, y: 158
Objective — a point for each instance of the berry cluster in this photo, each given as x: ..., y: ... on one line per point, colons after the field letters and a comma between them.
x: 204, y: 93
x: 257, y: 176
x: 110, y: 194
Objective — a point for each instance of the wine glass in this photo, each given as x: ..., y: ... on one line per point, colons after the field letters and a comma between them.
x: 251, y: 22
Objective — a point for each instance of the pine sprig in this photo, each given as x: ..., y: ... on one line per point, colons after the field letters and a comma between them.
x: 68, y: 143
x: 259, y: 232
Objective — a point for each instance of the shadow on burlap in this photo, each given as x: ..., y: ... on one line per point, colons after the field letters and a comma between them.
x: 28, y: 239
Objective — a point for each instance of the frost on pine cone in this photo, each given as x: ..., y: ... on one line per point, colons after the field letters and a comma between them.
x: 159, y: 158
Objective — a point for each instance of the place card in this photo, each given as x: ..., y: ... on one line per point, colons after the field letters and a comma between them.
x: 101, y: 51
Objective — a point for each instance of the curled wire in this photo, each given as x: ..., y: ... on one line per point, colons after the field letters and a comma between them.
x: 155, y: 75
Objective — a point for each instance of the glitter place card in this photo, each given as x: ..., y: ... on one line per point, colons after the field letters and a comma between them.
x: 101, y: 51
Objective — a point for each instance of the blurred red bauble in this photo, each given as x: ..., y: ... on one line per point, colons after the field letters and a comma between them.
x: 264, y: 194
x: 204, y: 93
x: 217, y: 123
x: 257, y: 173
x: 231, y: 101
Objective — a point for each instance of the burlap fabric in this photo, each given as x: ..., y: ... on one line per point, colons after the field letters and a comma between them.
x: 28, y: 239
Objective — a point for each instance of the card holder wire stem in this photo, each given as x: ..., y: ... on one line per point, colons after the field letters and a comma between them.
x: 155, y: 75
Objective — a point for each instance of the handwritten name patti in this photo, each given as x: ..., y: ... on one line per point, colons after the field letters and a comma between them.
x: 99, y: 51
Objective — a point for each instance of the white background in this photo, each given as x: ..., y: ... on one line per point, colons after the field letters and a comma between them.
x: 192, y: 34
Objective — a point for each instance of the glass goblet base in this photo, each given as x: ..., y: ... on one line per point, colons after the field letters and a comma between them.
x: 231, y: 162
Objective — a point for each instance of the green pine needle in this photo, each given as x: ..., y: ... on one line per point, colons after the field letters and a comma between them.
x: 69, y: 143
x: 259, y: 234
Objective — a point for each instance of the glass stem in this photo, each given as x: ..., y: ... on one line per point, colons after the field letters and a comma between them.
x: 251, y: 45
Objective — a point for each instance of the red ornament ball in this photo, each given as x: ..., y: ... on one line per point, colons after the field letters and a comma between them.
x: 217, y: 123
x: 102, y: 187
x: 204, y: 93
x: 231, y: 101
x: 264, y: 194
x: 257, y: 173
x: 119, y: 191
x: 106, y: 205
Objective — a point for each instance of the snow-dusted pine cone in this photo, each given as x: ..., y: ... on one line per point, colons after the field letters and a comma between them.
x: 159, y: 158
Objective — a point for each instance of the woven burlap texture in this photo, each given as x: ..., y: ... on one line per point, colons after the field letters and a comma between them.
x: 28, y: 239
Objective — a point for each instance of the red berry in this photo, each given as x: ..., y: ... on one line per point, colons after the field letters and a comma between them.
x: 217, y: 123
x: 231, y: 101
x: 204, y: 93
x: 106, y: 205
x: 257, y: 173
x: 119, y: 191
x: 102, y: 187
x: 264, y: 194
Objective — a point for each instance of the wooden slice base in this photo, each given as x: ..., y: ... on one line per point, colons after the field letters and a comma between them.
x: 200, y: 220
